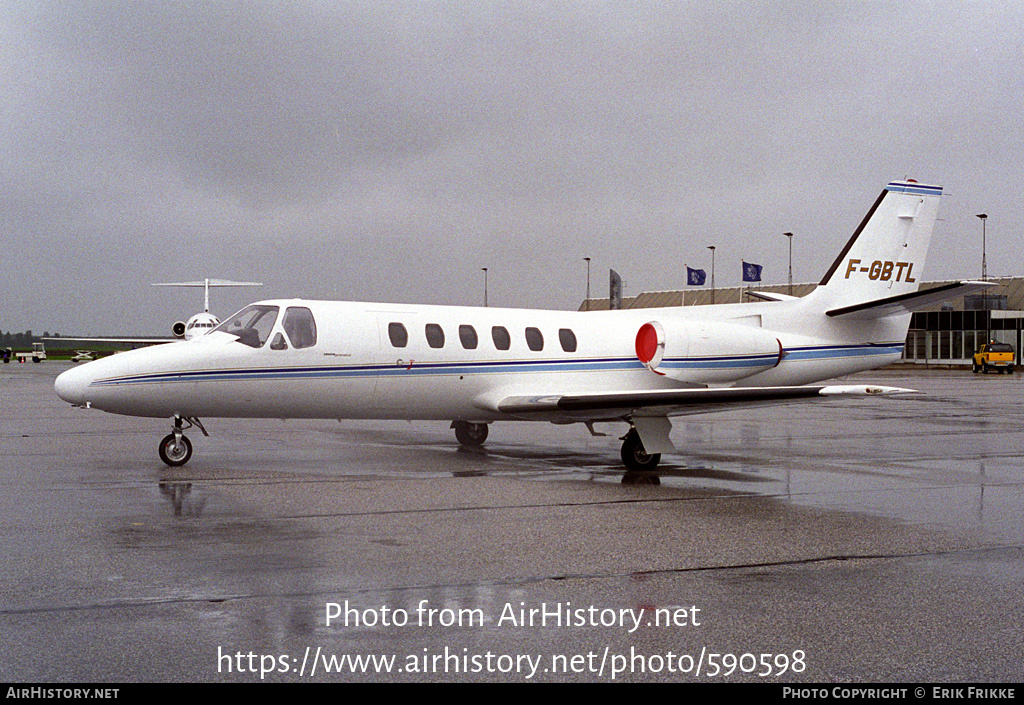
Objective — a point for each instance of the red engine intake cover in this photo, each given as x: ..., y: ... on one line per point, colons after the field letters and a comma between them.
x: 646, y: 343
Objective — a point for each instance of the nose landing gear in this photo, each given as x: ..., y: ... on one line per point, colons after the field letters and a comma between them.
x: 175, y: 449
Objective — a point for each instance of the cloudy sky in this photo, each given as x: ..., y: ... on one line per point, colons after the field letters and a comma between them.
x: 389, y: 150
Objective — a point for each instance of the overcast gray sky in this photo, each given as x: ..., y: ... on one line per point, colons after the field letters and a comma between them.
x: 388, y: 150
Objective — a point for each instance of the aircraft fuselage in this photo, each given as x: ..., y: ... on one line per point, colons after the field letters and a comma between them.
x: 355, y: 370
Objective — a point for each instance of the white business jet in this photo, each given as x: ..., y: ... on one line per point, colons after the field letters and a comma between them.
x: 473, y: 366
x: 199, y: 324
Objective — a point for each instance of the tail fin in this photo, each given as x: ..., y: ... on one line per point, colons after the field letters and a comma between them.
x: 886, y: 255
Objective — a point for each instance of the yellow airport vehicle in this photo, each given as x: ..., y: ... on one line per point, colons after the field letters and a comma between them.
x: 993, y: 356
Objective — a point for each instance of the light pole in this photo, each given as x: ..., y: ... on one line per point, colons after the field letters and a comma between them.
x: 586, y: 302
x: 984, y: 264
x: 789, y: 236
x: 485, y: 285
x: 984, y: 277
x: 712, y: 248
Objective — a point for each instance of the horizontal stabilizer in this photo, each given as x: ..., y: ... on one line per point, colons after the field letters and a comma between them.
x: 669, y: 402
x: 210, y: 283
x: 908, y: 303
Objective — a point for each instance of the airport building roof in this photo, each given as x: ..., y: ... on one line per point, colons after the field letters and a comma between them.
x: 1012, y: 288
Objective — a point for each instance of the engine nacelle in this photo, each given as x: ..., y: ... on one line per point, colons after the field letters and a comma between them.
x: 705, y: 353
x: 178, y: 329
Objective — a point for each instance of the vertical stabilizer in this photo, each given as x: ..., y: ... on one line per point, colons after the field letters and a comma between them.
x: 886, y: 255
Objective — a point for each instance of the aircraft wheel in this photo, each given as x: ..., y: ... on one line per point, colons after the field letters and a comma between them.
x: 470, y: 434
x: 174, y: 453
x: 634, y: 457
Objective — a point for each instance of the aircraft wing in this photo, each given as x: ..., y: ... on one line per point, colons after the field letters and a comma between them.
x: 649, y: 411
x: 669, y: 402
x: 127, y: 341
x: 908, y: 303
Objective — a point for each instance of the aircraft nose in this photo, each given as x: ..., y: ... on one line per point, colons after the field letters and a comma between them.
x: 71, y: 385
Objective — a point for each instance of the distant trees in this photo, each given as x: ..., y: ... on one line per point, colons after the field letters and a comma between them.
x: 20, y: 340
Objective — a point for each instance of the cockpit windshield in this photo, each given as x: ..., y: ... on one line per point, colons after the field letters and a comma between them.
x: 252, y: 324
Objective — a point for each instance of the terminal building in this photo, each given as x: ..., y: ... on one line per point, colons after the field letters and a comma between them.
x: 947, y: 334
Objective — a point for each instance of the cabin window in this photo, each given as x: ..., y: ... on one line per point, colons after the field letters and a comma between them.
x: 435, y: 335
x: 398, y: 334
x: 534, y: 339
x: 300, y: 326
x: 252, y: 325
x: 502, y: 340
x: 568, y: 339
x: 467, y: 335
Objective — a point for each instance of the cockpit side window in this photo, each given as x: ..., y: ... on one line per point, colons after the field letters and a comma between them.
x: 300, y: 326
x: 278, y: 343
x: 252, y: 324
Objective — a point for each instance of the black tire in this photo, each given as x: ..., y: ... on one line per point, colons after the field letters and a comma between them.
x: 470, y: 434
x: 634, y: 457
x: 175, y: 456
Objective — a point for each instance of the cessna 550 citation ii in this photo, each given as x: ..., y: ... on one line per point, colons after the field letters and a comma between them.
x: 473, y: 366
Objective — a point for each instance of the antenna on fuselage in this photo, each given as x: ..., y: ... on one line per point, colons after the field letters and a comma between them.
x: 206, y: 284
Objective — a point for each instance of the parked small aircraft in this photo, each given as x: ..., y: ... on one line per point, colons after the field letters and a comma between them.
x: 474, y: 366
x: 199, y: 324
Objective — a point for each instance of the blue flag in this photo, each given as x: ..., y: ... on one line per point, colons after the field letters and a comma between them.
x: 695, y: 277
x: 751, y: 272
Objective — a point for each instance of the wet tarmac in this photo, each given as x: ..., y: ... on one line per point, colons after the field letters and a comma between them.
x: 842, y: 540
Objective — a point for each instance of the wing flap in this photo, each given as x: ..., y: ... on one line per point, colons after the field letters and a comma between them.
x: 668, y: 402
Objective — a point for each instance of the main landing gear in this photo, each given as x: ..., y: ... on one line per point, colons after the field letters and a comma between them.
x: 175, y: 449
x: 639, y: 463
x: 470, y: 434
x: 634, y: 457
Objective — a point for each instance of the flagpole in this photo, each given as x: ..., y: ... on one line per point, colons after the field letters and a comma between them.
x: 789, y: 236
x: 712, y: 248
